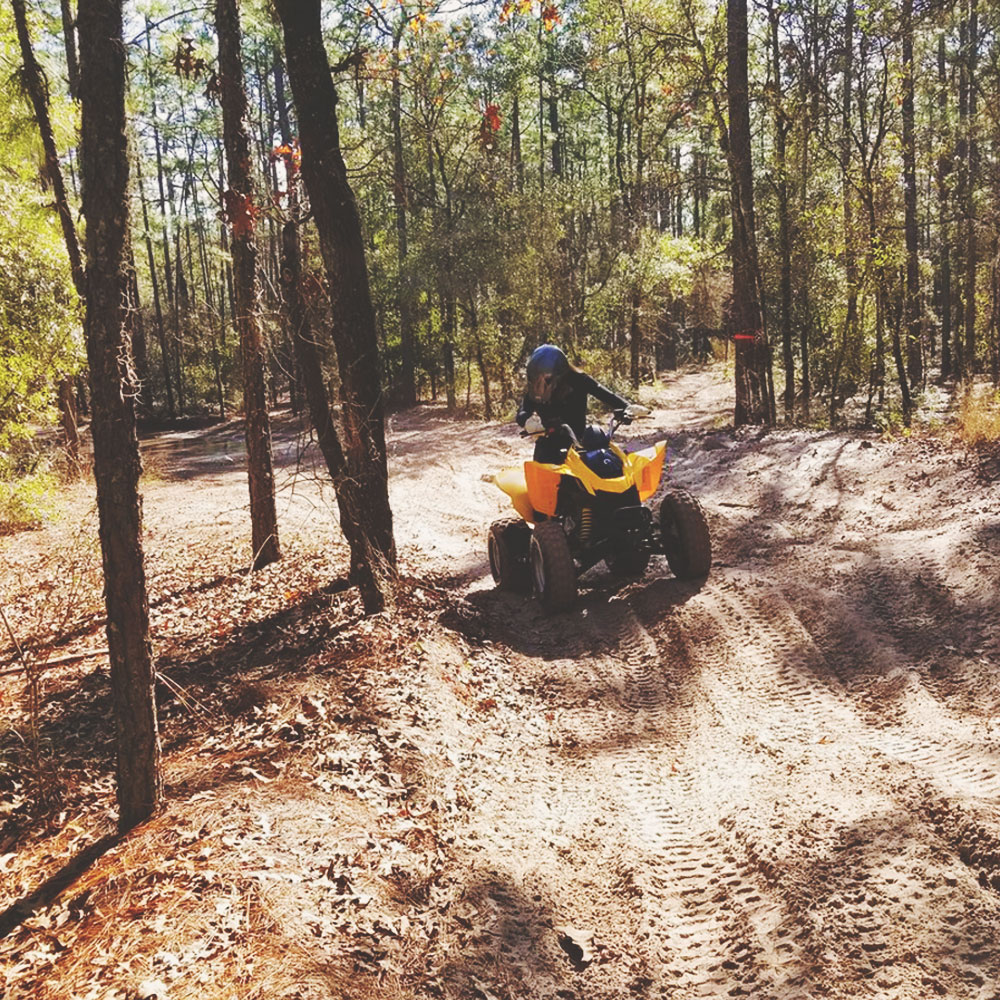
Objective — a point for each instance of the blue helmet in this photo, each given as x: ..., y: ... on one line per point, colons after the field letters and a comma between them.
x: 547, y: 367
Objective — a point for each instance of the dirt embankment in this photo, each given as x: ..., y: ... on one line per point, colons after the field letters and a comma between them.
x: 781, y: 783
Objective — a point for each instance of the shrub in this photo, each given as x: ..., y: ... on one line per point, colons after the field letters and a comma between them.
x: 979, y: 416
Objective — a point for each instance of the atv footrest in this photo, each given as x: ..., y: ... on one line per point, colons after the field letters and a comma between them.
x: 626, y: 520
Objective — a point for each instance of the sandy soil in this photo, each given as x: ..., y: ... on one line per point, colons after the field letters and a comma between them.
x: 781, y: 783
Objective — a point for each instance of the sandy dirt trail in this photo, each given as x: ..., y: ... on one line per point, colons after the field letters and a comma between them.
x: 781, y: 783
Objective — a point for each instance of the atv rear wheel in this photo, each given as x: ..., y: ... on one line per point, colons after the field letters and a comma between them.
x: 686, y: 540
x: 508, y: 550
x: 552, y: 569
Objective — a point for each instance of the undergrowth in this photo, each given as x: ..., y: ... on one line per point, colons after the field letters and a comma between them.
x: 979, y: 416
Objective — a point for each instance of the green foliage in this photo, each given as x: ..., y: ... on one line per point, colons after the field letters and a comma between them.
x: 40, y: 338
x: 25, y: 498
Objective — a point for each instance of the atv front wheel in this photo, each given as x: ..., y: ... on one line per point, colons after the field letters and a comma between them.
x: 508, y: 549
x: 552, y: 569
x: 686, y: 541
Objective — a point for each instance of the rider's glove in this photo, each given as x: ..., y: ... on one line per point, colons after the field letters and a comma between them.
x: 623, y: 417
x: 534, y: 425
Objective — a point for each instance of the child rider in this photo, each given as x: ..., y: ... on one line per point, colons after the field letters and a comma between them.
x: 557, y: 392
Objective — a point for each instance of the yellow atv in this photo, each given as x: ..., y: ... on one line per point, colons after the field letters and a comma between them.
x: 590, y: 508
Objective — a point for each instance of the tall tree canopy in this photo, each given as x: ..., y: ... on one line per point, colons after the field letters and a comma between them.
x: 531, y: 171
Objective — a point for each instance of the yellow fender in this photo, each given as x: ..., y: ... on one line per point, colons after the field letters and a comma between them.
x: 534, y: 489
x: 511, y: 480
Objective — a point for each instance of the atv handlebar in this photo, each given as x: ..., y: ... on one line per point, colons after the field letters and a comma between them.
x: 619, y: 418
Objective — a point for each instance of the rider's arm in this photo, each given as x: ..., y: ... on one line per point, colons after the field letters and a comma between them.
x: 611, y: 399
x: 525, y: 410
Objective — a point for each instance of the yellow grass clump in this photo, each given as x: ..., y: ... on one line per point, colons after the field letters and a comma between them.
x: 979, y: 416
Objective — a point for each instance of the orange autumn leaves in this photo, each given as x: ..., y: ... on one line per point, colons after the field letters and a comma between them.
x: 489, y: 126
x: 548, y: 11
x: 239, y: 209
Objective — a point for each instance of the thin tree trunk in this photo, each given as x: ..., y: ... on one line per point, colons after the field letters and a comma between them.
x: 752, y: 357
x: 164, y: 215
x: 972, y: 179
x: 517, y: 164
x: 911, y: 312
x: 408, y: 386
x: 362, y: 494
x: 35, y: 85
x: 897, y: 352
x: 634, y: 337
x: 116, y: 448
x: 69, y: 38
x: 850, y: 255
x: 161, y: 335
x: 67, y: 411
x: 945, y: 165
x: 241, y: 210
x: 781, y: 127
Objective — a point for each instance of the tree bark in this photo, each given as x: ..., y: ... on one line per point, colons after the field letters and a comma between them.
x: 752, y: 357
x: 408, y: 385
x: 362, y: 494
x: 911, y: 311
x: 69, y: 38
x: 970, y: 64
x: 240, y: 209
x: 850, y: 253
x: 116, y: 449
x: 945, y: 164
x: 781, y: 127
x: 34, y: 82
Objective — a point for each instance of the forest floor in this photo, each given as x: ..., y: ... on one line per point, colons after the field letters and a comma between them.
x: 780, y: 783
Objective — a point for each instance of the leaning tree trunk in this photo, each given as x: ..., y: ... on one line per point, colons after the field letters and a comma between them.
x: 34, y: 82
x: 117, y: 466
x: 241, y: 211
x: 363, y: 494
x: 753, y: 404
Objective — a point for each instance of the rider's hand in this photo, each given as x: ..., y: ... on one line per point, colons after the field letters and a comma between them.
x: 534, y: 425
x: 623, y: 417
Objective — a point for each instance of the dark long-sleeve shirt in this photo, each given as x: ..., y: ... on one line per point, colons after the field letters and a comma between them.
x: 570, y: 403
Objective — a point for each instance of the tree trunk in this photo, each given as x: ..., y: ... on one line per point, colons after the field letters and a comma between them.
x: 69, y: 38
x: 971, y: 179
x: 362, y: 494
x: 241, y: 211
x: 408, y: 385
x: 635, y: 337
x: 897, y: 352
x: 516, y: 163
x: 945, y: 165
x: 781, y: 127
x: 850, y: 255
x: 67, y: 411
x: 912, y: 311
x: 34, y: 82
x: 752, y: 357
x: 116, y: 447
x: 167, y: 272
x: 161, y: 335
